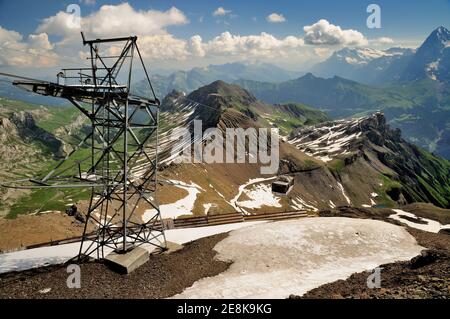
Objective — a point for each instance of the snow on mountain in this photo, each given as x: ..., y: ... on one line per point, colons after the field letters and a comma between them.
x: 364, y: 56
x: 431, y: 58
x: 360, y: 64
x: 329, y: 140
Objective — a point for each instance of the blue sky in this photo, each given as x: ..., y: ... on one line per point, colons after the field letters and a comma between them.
x: 405, y: 23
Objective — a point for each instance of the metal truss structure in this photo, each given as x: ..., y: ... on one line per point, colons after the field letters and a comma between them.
x: 120, y: 161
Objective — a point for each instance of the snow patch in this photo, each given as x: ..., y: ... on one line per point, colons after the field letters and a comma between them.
x: 260, y: 195
x: 183, y: 206
x: 344, y: 194
x: 431, y: 226
x: 306, y: 254
x: 234, y: 201
x: 207, y: 208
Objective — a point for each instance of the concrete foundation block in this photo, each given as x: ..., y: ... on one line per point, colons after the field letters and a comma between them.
x: 126, y: 263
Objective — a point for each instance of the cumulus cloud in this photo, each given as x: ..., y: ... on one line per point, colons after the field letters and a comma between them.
x: 163, y: 47
x: 382, y: 41
x: 40, y: 41
x: 324, y: 33
x: 34, y: 51
x: 275, y: 18
x: 110, y: 20
x: 220, y: 11
x: 196, y: 46
x: 323, y: 52
x: 262, y: 45
x: 9, y: 36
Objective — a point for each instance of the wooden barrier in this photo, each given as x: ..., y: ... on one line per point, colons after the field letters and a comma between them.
x: 194, y: 222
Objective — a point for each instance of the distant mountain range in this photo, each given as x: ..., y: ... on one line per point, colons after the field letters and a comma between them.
x: 420, y: 108
x: 411, y: 87
x: 431, y: 60
x: 188, y: 81
x: 365, y: 65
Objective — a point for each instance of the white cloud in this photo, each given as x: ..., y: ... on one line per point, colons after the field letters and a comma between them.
x: 114, y: 20
x: 40, y: 41
x: 196, y: 46
x: 34, y: 52
x: 8, y: 36
x: 323, y: 52
x: 220, y: 11
x: 324, y: 33
x: 262, y: 45
x: 59, y: 24
x: 275, y: 18
x: 163, y: 47
x: 382, y: 41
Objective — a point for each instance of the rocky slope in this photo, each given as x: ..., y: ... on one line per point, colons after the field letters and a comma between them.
x: 413, y: 174
x: 411, y: 87
x: 32, y: 139
x: 356, y: 162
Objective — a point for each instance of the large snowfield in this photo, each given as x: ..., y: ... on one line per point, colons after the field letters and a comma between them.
x: 276, y: 260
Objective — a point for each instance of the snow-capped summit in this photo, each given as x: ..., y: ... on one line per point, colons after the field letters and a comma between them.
x: 432, y: 58
x: 360, y: 64
x: 370, y: 66
x: 363, y: 56
x: 442, y: 34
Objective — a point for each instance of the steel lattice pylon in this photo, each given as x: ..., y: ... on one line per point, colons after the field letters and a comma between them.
x: 122, y: 166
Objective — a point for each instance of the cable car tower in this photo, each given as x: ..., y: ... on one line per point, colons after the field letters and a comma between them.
x: 120, y: 153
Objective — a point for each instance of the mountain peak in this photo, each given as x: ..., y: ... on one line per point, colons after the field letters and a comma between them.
x: 222, y: 94
x: 438, y: 37
x: 223, y: 89
x: 441, y: 30
x: 308, y: 76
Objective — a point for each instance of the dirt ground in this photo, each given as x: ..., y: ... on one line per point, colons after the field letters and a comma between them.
x: 27, y: 230
x: 163, y: 276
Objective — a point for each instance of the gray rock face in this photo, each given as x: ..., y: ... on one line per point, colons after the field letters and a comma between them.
x: 424, y: 178
x: 29, y: 131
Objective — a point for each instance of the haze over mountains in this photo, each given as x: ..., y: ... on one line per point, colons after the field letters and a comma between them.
x: 188, y: 81
x: 431, y: 60
x: 410, y: 86
x: 365, y: 65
